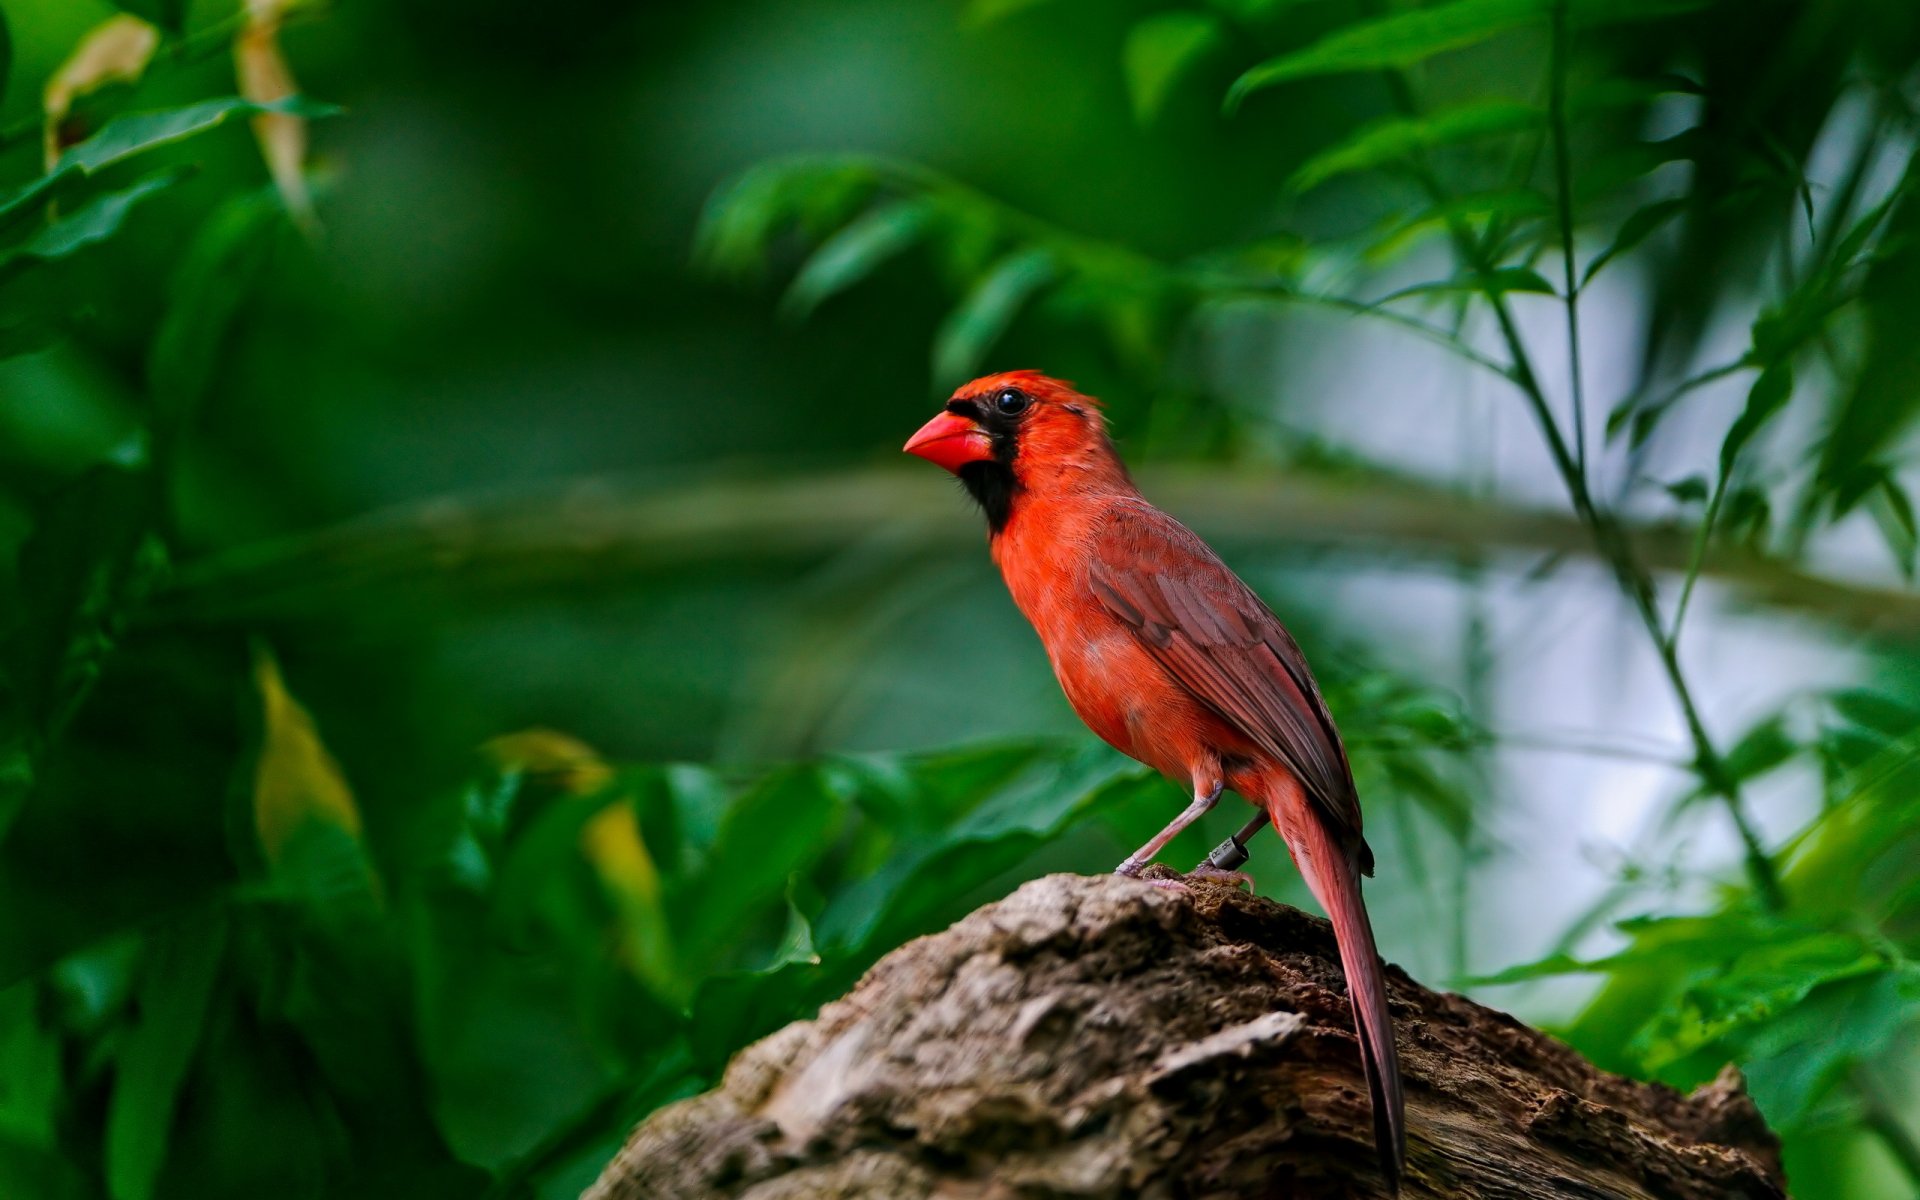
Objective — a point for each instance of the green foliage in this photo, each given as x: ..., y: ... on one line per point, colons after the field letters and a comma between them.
x: 265, y: 922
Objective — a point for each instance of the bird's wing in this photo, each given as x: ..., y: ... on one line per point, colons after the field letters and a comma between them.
x: 1219, y: 642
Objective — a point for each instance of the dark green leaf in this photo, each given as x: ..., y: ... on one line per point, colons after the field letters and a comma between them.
x: 1392, y: 42
x: 1768, y: 396
x: 170, y: 15
x: 779, y: 827
x: 1635, y: 229
x: 1761, y: 749
x: 175, y: 988
x: 1892, y: 511
x: 1691, y: 490
x: 972, y: 328
x: 1160, y: 50
x: 95, y: 221
x: 207, y: 294
x: 850, y: 255
x: 1393, y: 139
x: 734, y: 1008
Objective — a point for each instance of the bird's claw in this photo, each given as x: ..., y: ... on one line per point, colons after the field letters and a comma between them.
x: 1206, y: 872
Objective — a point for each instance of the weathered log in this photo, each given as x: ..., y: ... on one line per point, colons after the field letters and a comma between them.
x: 1097, y: 1037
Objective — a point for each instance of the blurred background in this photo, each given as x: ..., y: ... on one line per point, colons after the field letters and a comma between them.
x: 474, y: 656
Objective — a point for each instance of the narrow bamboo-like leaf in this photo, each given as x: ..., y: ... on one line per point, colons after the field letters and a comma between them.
x: 1394, y: 138
x: 852, y: 254
x: 1160, y: 50
x: 1892, y: 511
x: 1397, y: 41
x: 971, y: 329
x: 1768, y: 396
x: 1502, y: 279
x: 95, y: 221
x: 175, y: 987
x: 1519, y: 203
x: 1637, y: 228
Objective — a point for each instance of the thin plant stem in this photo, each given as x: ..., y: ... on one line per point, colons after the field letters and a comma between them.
x: 1610, y: 540
x: 1563, y: 207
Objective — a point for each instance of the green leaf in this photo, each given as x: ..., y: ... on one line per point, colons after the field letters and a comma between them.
x: 1392, y: 42
x: 852, y: 254
x: 736, y: 1007
x: 136, y: 133
x: 778, y: 828
x: 1499, y: 280
x: 174, y: 992
x: 1514, y: 203
x: 1393, y: 139
x: 208, y: 291
x: 1160, y: 50
x: 1637, y: 228
x: 1769, y: 395
x: 984, y: 316
x: 1691, y: 490
x: 926, y: 878
x: 1892, y: 510
x: 170, y: 15
x: 1761, y: 749
x: 95, y: 221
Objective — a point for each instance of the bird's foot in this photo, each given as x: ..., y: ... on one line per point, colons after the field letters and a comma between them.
x: 1153, y: 874
x: 1206, y: 872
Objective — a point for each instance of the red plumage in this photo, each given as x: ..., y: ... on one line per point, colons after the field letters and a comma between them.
x: 1170, y: 658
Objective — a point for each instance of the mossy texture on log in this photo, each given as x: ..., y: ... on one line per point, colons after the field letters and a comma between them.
x: 1097, y: 1037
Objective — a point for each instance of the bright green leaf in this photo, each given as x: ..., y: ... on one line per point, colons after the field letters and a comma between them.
x: 1393, y: 139
x: 1160, y: 50
x: 1392, y: 42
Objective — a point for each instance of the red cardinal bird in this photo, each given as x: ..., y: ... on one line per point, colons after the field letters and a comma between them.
x: 1171, y: 659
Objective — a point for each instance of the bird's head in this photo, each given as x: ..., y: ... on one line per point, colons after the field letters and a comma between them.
x: 1019, y: 432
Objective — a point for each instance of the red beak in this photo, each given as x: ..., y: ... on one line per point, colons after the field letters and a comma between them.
x: 951, y: 441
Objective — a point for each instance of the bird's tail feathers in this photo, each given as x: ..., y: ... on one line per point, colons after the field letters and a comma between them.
x: 1332, y: 874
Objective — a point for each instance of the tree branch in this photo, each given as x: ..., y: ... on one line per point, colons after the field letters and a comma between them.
x: 608, y: 531
x: 1097, y: 1037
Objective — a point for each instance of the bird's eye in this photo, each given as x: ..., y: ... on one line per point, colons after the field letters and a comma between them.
x: 1010, y: 401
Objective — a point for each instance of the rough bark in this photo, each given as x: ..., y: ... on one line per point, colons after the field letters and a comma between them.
x: 1096, y: 1037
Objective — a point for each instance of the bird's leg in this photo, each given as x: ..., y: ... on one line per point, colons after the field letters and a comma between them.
x: 1231, y: 854
x: 1223, y: 865
x: 1202, y: 803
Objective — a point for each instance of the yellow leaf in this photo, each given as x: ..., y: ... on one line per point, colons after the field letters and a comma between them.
x: 611, y: 841
x: 550, y: 757
x: 116, y: 51
x: 265, y: 77
x: 296, y: 780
